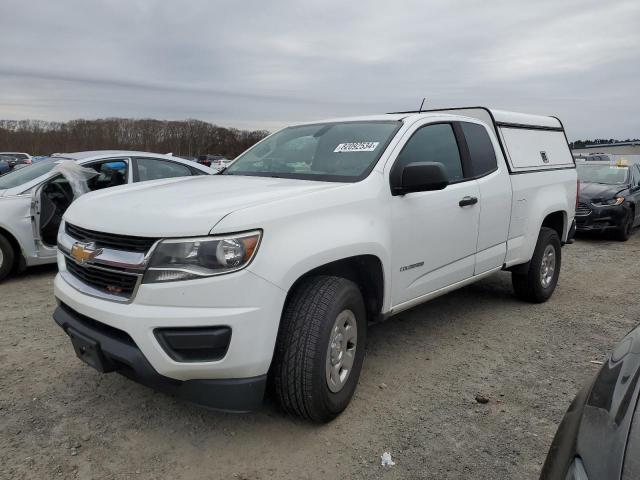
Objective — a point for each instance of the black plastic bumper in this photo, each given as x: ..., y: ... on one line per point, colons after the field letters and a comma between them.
x: 601, y: 219
x: 109, y: 349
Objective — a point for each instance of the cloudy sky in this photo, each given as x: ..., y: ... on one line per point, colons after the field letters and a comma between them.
x: 263, y: 64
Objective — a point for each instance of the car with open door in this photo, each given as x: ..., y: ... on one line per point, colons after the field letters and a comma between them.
x: 34, y: 198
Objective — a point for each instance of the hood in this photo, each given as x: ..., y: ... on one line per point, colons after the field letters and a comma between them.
x: 180, y: 206
x: 599, y: 191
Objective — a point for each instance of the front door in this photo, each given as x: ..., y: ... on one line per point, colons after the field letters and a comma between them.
x: 51, y: 199
x: 434, y: 233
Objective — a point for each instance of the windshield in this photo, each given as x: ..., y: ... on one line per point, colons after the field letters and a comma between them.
x: 607, y: 174
x: 333, y: 152
x: 24, y: 175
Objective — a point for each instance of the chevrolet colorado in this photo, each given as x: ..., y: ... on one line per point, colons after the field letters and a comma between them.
x: 211, y: 287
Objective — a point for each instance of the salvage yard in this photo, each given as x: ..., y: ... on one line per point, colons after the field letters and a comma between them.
x: 416, y: 399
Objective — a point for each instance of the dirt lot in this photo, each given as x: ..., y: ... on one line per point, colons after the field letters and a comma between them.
x: 61, y: 419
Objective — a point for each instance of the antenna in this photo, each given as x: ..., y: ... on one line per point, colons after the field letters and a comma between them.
x: 421, y: 105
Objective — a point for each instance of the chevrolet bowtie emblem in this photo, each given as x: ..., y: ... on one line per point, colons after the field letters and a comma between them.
x: 84, y: 252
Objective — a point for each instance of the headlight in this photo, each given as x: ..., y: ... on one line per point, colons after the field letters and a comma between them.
x: 191, y: 258
x: 609, y: 203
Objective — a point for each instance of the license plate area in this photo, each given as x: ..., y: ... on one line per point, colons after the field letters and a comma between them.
x: 88, y: 350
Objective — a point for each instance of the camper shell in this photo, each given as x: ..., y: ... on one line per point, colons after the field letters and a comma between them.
x: 528, y: 142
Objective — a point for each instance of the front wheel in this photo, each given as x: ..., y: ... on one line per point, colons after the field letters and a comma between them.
x: 320, y: 348
x: 624, y: 231
x: 538, y: 284
x: 7, y: 257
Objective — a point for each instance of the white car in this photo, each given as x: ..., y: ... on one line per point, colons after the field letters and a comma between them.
x: 309, y: 235
x: 221, y: 163
x: 34, y: 198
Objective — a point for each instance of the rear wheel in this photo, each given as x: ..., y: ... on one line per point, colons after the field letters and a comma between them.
x: 538, y: 284
x: 7, y: 257
x: 320, y: 348
x: 624, y: 231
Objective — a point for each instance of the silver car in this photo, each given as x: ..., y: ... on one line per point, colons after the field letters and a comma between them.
x: 33, y: 199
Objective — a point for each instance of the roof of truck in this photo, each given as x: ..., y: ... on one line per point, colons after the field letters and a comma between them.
x: 499, y: 116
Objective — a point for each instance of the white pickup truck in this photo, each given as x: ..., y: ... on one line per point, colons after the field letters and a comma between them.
x: 212, y: 287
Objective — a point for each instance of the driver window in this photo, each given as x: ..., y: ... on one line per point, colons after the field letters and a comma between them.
x: 433, y: 143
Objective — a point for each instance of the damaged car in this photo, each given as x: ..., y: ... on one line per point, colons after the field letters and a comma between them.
x: 609, y: 198
x: 33, y: 199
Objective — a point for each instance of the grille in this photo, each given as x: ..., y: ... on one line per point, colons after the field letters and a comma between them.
x: 582, y: 209
x: 112, y: 282
x: 111, y: 240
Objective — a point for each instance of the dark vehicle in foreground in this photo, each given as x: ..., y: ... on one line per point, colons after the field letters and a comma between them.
x: 599, y: 437
x: 609, y: 198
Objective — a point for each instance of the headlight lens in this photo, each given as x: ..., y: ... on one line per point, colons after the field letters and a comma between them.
x: 191, y: 258
x: 609, y: 203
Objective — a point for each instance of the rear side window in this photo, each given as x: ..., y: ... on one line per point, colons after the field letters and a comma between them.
x: 481, y: 152
x: 433, y: 143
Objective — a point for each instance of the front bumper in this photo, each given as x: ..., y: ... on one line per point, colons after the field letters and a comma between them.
x: 599, y: 219
x: 120, y: 353
x: 246, y: 303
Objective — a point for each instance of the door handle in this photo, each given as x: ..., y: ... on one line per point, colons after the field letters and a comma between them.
x: 468, y: 201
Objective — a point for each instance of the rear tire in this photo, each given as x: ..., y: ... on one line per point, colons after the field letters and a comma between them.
x: 7, y: 257
x: 538, y: 284
x: 320, y: 348
x: 624, y: 231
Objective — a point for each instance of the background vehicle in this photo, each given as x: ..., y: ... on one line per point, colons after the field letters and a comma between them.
x: 599, y: 436
x: 33, y: 199
x: 306, y: 237
x: 19, y: 158
x: 4, y: 165
x: 221, y: 163
x: 609, y: 198
x: 214, y: 161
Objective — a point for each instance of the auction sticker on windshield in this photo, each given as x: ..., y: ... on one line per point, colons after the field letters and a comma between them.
x: 356, y: 147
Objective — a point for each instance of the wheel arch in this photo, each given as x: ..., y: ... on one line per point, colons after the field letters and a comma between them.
x: 557, y: 220
x: 366, y: 271
x: 19, y: 261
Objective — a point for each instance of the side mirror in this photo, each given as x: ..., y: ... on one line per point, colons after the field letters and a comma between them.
x: 421, y: 177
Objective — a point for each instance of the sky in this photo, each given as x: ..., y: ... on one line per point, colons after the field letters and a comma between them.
x: 260, y: 64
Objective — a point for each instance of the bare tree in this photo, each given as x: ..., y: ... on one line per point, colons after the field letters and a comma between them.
x: 188, y: 137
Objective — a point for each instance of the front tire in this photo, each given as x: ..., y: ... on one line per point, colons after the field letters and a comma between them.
x: 624, y: 231
x: 538, y: 284
x: 320, y: 348
x: 7, y: 257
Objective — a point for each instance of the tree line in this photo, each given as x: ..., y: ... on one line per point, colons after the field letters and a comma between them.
x: 186, y: 137
x: 599, y: 141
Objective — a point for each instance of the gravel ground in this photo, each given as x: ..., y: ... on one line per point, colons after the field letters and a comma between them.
x: 416, y: 398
